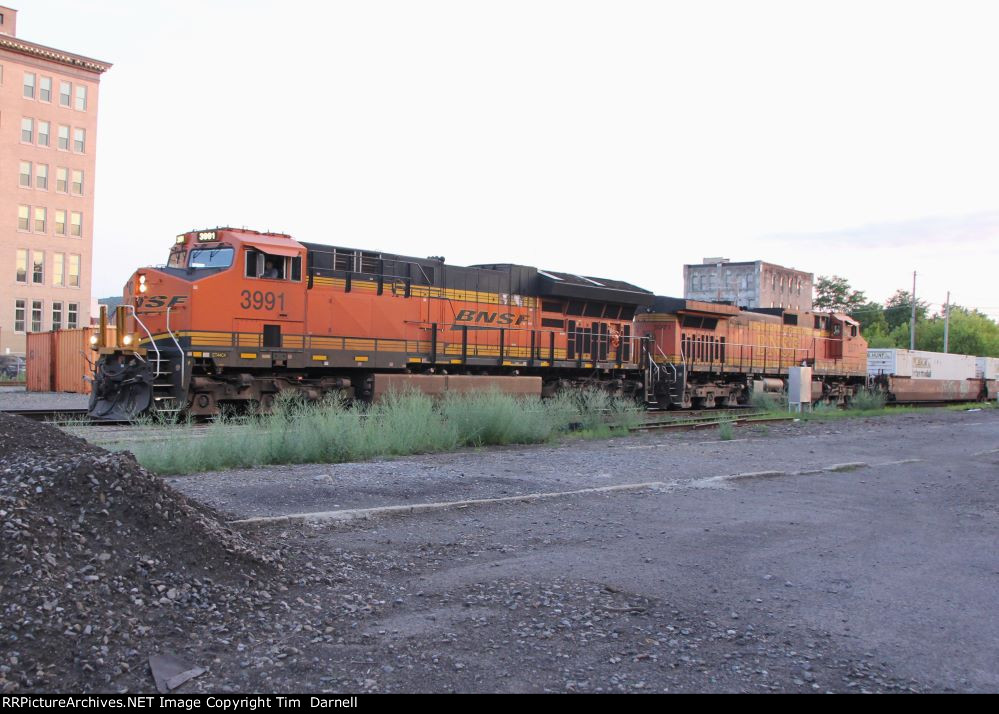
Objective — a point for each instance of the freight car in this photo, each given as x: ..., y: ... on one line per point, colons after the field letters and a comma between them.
x: 706, y: 354
x: 237, y: 317
x: 913, y: 376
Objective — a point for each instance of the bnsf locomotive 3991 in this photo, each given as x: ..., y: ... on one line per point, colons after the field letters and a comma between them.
x: 237, y: 317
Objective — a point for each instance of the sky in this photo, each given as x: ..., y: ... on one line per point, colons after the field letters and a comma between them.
x: 615, y: 139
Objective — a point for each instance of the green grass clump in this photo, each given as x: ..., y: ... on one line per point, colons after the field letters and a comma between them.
x: 769, y: 401
x: 726, y: 431
x: 824, y: 409
x: 867, y: 400
x: 333, y: 431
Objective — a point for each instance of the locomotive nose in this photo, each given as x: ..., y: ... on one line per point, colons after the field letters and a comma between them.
x: 138, y: 353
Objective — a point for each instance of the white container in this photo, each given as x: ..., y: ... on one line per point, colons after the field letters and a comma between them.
x: 885, y: 361
x: 987, y: 368
x: 918, y: 364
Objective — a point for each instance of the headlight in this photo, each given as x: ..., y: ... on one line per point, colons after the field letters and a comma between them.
x: 126, y: 340
x: 93, y: 339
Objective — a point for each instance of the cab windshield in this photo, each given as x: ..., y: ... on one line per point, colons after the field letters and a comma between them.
x: 210, y: 258
x: 178, y: 258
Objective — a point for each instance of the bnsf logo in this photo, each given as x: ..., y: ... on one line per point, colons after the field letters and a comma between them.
x: 505, y: 318
x: 159, y: 300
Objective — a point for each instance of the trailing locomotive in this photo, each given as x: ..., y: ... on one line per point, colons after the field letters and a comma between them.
x: 706, y: 354
x: 237, y: 317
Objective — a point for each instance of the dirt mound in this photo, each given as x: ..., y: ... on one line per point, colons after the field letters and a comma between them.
x: 99, y: 558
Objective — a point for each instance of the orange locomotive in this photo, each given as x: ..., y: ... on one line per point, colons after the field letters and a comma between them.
x: 237, y: 317
x: 706, y: 354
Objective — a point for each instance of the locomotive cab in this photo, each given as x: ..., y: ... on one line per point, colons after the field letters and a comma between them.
x: 236, y: 282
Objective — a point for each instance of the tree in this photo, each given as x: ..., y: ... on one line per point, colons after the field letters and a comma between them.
x: 971, y: 333
x: 834, y: 293
x: 871, y: 316
x: 898, y: 310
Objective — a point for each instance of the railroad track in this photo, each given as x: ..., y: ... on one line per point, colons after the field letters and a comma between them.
x: 138, y: 433
x: 710, y: 420
x: 111, y: 432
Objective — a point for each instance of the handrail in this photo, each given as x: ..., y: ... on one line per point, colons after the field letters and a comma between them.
x: 668, y: 360
x: 179, y: 350
x: 135, y: 316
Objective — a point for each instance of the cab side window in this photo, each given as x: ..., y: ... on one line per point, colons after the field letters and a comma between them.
x: 272, y: 267
x: 252, y: 269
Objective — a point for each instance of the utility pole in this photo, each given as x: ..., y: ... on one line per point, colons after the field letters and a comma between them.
x: 912, y: 325
x: 947, y: 322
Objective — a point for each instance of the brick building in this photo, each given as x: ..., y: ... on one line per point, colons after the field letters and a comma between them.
x: 48, y: 145
x: 752, y: 284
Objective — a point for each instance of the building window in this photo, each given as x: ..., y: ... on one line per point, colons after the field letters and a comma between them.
x: 21, y: 275
x: 24, y: 178
x: 29, y: 85
x: 63, y: 141
x: 44, y: 129
x: 62, y: 179
x: 57, y: 316
x: 74, y: 271
x: 76, y: 223
x: 27, y: 130
x: 60, y: 222
x: 19, y: 316
x: 73, y: 316
x: 41, y: 216
x: 42, y: 176
x: 64, y: 94
x: 58, y: 268
x: 23, y: 218
x: 45, y: 89
x: 79, y: 140
x: 38, y: 267
x: 36, y: 315
x: 81, y: 97
x: 78, y: 182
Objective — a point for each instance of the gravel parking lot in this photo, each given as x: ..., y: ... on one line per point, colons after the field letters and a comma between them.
x: 878, y: 575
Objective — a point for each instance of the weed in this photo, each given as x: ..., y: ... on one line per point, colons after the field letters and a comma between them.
x: 297, y: 431
x: 769, y: 401
x: 867, y: 400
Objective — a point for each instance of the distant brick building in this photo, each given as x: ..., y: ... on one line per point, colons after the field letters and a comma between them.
x: 750, y: 284
x: 48, y: 143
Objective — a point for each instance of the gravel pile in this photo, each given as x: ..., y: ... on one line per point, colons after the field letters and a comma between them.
x: 102, y: 562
